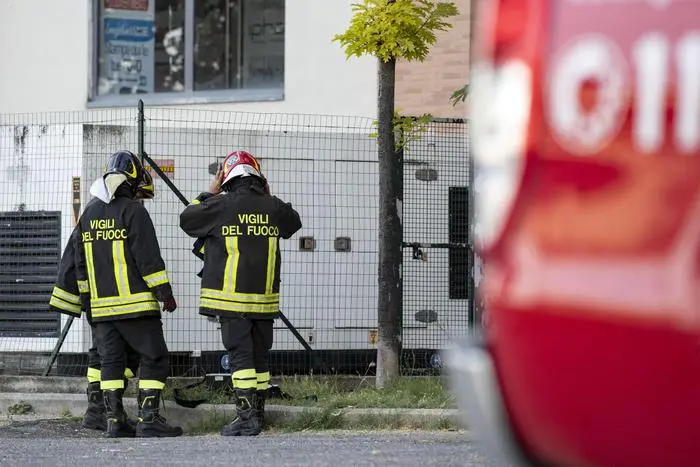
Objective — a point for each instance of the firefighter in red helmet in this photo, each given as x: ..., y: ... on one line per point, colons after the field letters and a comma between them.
x: 241, y: 223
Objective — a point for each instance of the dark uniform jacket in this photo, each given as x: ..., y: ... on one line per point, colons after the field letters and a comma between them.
x: 240, y: 232
x: 65, y: 297
x: 119, y: 268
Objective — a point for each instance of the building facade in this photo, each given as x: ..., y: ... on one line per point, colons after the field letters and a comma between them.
x: 244, y: 55
x: 426, y: 87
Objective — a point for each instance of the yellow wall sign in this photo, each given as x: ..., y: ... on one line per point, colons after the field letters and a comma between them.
x: 166, y: 165
x: 372, y: 337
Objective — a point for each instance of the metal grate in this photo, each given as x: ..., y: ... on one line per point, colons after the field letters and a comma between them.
x: 30, y: 245
x: 458, y: 258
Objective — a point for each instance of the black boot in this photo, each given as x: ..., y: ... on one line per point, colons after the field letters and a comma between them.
x: 260, y: 408
x: 246, y: 422
x: 151, y: 423
x: 132, y: 422
x: 94, y: 417
x: 117, y: 425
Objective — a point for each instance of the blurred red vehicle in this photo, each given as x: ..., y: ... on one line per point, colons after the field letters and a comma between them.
x: 585, y: 121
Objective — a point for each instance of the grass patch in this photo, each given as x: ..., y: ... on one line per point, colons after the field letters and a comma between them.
x: 20, y: 408
x: 425, y: 392
x: 334, y: 395
x: 330, y: 419
x: 429, y: 392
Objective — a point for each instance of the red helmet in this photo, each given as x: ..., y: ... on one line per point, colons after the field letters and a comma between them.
x: 240, y: 164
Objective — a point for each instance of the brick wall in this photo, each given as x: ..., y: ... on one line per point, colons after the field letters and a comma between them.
x: 426, y: 87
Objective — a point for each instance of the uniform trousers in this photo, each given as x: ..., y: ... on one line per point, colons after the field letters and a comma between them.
x: 94, y: 366
x: 248, y: 342
x: 145, y: 336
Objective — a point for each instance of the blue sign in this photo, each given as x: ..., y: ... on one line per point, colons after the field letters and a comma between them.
x: 128, y: 30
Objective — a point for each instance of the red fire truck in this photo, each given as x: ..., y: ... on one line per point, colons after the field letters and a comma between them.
x: 585, y: 119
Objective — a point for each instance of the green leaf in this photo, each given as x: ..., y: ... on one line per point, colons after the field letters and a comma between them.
x: 395, y: 29
x: 407, y: 129
x: 460, y: 95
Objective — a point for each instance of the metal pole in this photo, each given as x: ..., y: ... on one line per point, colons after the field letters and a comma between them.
x: 141, y: 129
x: 58, y: 345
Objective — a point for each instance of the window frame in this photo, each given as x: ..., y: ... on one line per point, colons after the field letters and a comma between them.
x: 189, y: 95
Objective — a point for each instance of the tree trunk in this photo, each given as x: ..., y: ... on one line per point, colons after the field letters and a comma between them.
x: 390, y: 299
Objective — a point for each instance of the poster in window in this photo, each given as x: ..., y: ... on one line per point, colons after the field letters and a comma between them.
x: 128, y: 38
x: 263, y: 43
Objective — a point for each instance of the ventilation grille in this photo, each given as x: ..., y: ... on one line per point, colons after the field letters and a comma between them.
x: 30, y: 250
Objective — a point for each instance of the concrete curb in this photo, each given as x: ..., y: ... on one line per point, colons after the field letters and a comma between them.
x: 58, y: 405
x: 63, y: 384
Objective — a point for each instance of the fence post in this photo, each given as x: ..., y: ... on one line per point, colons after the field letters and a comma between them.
x: 398, y: 183
x: 471, y: 291
x: 141, y: 129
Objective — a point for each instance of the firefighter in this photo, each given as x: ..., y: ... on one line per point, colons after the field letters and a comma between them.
x: 121, y: 278
x: 65, y: 299
x: 241, y: 223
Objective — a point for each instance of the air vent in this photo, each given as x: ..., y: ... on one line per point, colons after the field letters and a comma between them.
x: 30, y: 249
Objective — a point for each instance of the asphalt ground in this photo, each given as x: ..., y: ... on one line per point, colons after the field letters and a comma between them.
x: 65, y: 443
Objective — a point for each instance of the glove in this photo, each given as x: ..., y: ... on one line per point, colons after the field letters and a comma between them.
x: 169, y: 304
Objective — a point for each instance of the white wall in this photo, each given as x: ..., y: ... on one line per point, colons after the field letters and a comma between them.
x: 45, y: 64
x: 37, y: 165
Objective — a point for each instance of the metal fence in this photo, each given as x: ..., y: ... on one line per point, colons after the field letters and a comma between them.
x: 326, y: 166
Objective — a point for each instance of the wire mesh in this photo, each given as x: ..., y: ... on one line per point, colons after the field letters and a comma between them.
x: 436, y: 260
x: 44, y: 175
x: 326, y: 166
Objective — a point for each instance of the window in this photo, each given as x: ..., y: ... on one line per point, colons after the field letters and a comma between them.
x: 184, y: 50
x: 458, y: 200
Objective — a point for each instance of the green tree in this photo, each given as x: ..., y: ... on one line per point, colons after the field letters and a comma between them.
x: 391, y: 30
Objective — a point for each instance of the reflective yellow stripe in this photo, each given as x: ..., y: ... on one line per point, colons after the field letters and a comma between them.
x: 65, y: 306
x: 66, y: 296
x: 90, y: 270
x: 244, y: 379
x: 271, y: 260
x: 231, y: 268
x: 263, y: 380
x: 83, y: 287
x: 133, y: 298
x: 238, y: 307
x: 156, y: 279
x: 241, y: 297
x: 112, y: 384
x: 125, y: 309
x: 93, y: 375
x: 128, y: 374
x: 195, y: 201
x: 150, y: 384
x: 120, y: 268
